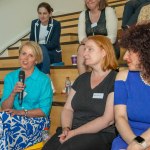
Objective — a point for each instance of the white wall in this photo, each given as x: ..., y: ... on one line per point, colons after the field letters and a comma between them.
x: 16, y: 16
x: 66, y: 6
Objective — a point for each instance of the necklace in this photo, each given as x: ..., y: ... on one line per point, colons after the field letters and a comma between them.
x: 145, y: 82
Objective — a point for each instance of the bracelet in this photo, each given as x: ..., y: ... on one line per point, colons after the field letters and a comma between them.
x: 64, y: 128
x: 26, y: 112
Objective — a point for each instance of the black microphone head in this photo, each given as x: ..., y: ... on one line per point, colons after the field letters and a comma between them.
x: 21, y: 76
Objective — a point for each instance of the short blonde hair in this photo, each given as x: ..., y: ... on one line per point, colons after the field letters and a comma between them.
x: 109, y: 61
x: 35, y: 48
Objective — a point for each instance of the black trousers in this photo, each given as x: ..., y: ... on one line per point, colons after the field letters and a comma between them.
x: 96, y: 141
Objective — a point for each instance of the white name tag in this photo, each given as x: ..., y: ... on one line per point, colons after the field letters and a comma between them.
x: 93, y: 25
x: 98, y: 95
x: 24, y: 94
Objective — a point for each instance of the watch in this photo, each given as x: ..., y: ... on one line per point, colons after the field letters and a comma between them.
x: 141, y: 141
x: 26, y: 112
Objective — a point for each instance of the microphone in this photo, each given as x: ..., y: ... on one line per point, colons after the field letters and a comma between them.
x: 21, y: 79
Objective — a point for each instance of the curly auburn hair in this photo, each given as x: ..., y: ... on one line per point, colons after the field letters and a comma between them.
x: 137, y: 39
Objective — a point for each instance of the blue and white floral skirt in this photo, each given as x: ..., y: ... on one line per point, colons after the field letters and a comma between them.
x: 19, y: 132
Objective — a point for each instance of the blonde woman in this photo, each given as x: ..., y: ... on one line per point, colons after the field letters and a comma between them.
x: 24, y: 121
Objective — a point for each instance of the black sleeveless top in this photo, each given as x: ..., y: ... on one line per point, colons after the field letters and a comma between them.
x: 100, y: 29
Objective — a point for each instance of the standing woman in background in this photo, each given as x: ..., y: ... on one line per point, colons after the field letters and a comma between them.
x: 97, y: 19
x: 46, y: 31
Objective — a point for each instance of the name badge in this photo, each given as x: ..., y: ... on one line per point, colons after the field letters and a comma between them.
x: 98, y: 95
x: 24, y: 94
x: 93, y: 25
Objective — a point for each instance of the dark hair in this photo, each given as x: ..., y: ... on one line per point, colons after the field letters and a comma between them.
x: 46, y: 6
x: 102, y: 5
x: 137, y: 39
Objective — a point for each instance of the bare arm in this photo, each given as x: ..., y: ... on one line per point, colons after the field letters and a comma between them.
x: 146, y: 136
x: 111, y: 24
x: 136, y: 146
x: 45, y: 101
x: 8, y: 103
x: 30, y: 113
x: 121, y: 118
x: 95, y: 125
x: 35, y: 113
x: 101, y: 122
x: 67, y: 112
x: 81, y: 27
x: 122, y: 124
x: 66, y: 117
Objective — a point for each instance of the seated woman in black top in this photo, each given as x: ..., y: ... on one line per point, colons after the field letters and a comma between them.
x: 88, y: 117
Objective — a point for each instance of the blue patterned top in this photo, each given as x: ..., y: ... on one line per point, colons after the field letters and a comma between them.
x: 37, y: 93
x: 135, y: 94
